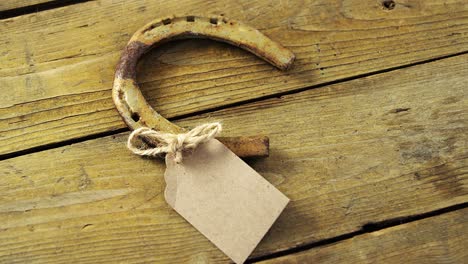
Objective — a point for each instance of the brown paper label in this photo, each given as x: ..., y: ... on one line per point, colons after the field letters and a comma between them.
x: 223, y: 197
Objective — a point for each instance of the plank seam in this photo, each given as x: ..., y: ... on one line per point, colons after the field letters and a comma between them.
x: 214, y: 109
x: 365, y: 229
x: 299, y: 90
x: 26, y: 10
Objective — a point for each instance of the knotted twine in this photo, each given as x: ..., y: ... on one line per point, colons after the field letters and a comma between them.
x: 145, y: 141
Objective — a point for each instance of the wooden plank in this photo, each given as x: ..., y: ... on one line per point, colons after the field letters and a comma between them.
x: 439, y: 239
x: 56, y: 66
x: 368, y: 150
x: 14, y: 4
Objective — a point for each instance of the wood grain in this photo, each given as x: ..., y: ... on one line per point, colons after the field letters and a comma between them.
x: 439, y: 239
x: 368, y: 150
x: 13, y: 4
x: 56, y: 66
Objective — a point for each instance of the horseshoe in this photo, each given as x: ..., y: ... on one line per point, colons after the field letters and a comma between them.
x: 130, y: 102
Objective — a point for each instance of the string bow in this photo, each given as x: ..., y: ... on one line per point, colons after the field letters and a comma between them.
x: 145, y: 141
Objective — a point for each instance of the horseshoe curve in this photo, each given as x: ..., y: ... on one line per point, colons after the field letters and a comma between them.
x: 130, y: 102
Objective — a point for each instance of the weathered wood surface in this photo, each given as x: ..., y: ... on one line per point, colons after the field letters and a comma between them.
x: 372, y: 149
x: 56, y: 66
x: 12, y: 4
x: 439, y: 239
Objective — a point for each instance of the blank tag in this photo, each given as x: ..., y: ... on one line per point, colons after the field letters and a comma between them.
x: 223, y: 197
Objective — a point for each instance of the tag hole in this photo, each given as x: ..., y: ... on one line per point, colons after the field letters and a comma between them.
x: 167, y: 21
x: 190, y: 19
x: 135, y: 117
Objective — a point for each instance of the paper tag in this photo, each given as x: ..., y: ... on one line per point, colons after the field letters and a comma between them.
x: 223, y: 197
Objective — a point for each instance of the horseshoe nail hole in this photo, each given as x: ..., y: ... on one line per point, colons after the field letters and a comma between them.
x: 214, y: 21
x: 191, y: 19
x: 135, y: 117
x: 153, y: 26
x: 225, y: 20
x: 121, y: 95
x: 388, y: 4
x: 166, y: 21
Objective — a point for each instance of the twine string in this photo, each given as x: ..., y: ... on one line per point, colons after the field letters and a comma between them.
x: 145, y: 141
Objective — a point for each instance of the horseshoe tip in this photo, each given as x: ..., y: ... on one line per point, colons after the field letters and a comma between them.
x: 290, y: 61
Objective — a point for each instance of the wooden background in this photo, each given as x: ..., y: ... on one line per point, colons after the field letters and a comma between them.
x: 368, y: 130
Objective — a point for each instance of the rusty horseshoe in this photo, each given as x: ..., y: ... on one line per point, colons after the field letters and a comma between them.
x: 130, y: 102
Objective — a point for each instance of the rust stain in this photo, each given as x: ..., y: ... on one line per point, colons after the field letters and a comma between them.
x: 137, y: 113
